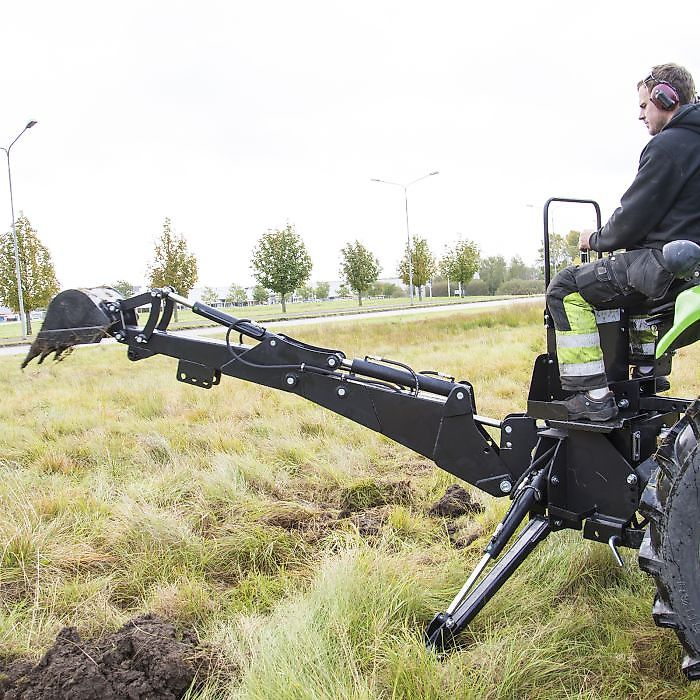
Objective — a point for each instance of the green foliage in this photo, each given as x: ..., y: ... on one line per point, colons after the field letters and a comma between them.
x: 173, y: 265
x: 126, y: 289
x: 563, y: 251
x: 460, y: 262
x: 260, y: 294
x: 281, y: 262
x: 236, y: 295
x: 343, y: 290
x: 518, y: 270
x: 388, y: 290
x: 519, y: 286
x: 476, y: 288
x: 306, y: 292
x: 422, y: 261
x: 39, y: 283
x: 359, y: 268
x: 439, y: 286
x: 321, y: 290
x: 209, y: 295
x: 492, y: 270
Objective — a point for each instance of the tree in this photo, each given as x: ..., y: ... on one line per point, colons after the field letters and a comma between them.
x: 260, y: 294
x: 493, y: 271
x: 423, y: 264
x: 126, y: 289
x: 210, y: 295
x: 306, y: 292
x: 39, y: 283
x: 281, y: 262
x: 359, y: 268
x: 322, y: 290
x: 387, y: 289
x: 236, y: 295
x: 517, y: 269
x: 563, y: 251
x: 460, y: 262
x: 343, y: 291
x: 173, y: 265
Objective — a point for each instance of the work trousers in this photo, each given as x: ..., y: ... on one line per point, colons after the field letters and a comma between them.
x: 580, y: 297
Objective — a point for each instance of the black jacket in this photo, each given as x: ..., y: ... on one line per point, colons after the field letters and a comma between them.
x: 663, y: 202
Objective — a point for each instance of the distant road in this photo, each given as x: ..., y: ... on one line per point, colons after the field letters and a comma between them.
x: 210, y: 330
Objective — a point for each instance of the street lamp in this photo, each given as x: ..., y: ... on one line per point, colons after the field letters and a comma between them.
x: 20, y: 295
x: 408, y: 230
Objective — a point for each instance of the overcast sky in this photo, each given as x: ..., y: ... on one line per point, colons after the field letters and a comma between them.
x: 232, y: 118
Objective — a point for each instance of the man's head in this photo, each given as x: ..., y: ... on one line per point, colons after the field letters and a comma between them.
x: 661, y: 93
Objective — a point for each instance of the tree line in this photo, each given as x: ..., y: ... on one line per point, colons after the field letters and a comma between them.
x: 281, y: 264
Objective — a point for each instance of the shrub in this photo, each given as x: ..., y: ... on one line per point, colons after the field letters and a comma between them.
x: 521, y: 287
x: 476, y: 288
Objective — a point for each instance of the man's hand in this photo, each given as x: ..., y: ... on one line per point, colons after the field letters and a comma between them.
x: 583, y: 239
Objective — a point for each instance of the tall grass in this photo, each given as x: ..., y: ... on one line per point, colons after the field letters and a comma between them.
x: 297, y: 543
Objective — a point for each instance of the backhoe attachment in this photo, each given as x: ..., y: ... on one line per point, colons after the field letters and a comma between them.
x: 425, y: 411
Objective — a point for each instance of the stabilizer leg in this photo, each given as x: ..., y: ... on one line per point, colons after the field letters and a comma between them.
x: 446, y: 625
x: 466, y: 605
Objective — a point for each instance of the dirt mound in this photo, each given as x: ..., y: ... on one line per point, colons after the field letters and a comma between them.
x: 454, y: 503
x: 144, y: 659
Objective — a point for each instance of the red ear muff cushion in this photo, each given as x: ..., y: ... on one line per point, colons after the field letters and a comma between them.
x: 664, y: 96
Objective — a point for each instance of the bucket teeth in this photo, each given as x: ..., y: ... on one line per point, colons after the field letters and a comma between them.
x: 74, y: 317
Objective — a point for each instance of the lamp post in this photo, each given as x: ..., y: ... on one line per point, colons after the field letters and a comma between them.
x: 20, y: 295
x: 408, y: 230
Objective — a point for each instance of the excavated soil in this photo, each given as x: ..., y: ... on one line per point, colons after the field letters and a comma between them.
x: 145, y: 659
x: 454, y: 503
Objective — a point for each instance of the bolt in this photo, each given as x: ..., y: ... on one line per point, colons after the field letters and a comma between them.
x: 554, y: 481
x: 505, y: 486
x: 509, y: 445
x: 449, y: 623
x: 119, y: 336
x: 342, y: 391
x: 291, y: 380
x: 623, y: 403
x: 632, y: 479
x: 273, y: 343
x: 460, y: 395
x: 332, y: 361
x: 509, y: 429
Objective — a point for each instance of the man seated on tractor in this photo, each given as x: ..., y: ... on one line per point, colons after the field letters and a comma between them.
x: 661, y: 205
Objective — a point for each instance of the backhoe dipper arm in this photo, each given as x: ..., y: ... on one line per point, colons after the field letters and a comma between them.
x: 431, y: 415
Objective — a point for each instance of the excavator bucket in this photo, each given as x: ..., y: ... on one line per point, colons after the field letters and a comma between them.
x: 74, y: 317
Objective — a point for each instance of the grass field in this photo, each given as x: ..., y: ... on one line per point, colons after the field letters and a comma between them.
x: 124, y: 491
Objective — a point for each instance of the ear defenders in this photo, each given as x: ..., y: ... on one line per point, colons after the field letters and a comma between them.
x: 664, y: 96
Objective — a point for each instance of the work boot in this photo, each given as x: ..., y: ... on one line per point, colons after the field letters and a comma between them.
x: 581, y: 405
x: 662, y: 383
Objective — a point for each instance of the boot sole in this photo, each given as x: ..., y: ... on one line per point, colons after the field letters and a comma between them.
x: 597, y: 417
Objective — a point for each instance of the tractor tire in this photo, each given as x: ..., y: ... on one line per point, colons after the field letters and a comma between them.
x: 670, y: 551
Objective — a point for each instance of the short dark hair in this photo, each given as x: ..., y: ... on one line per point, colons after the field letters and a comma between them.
x: 676, y: 76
